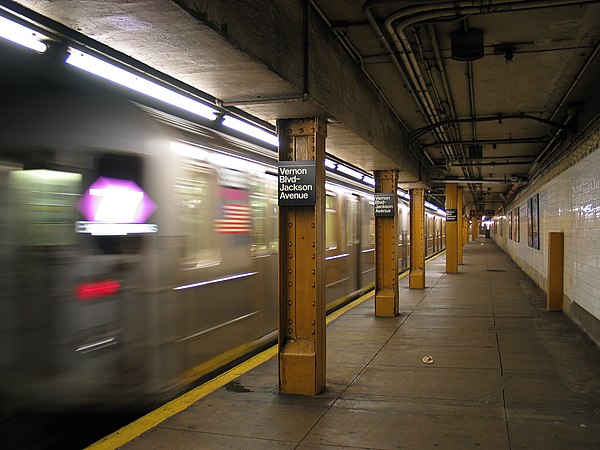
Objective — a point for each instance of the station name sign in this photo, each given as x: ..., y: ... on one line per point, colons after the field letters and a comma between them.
x: 384, y: 204
x: 451, y: 215
x: 296, y: 183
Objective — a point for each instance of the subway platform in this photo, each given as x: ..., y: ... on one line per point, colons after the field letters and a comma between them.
x: 473, y: 361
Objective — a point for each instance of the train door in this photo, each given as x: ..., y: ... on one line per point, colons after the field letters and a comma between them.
x: 367, y: 242
x: 353, y: 241
x: 37, y: 247
x: 264, y: 248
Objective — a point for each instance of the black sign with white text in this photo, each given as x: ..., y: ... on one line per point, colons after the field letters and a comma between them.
x: 384, y: 204
x: 296, y: 183
x: 451, y: 215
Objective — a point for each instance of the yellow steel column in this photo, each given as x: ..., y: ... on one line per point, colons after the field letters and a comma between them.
x: 386, y: 245
x: 416, y: 276
x: 474, y: 228
x: 460, y: 220
x: 301, y: 256
x: 451, y: 229
x: 554, y: 297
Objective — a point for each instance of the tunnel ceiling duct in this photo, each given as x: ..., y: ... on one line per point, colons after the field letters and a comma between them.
x: 467, y: 45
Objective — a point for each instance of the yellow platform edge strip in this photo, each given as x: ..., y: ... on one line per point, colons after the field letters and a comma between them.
x: 152, y: 419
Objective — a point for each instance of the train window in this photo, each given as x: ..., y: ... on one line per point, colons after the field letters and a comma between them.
x: 372, y: 224
x: 274, y: 218
x: 263, y: 204
x: 330, y: 221
x: 195, y: 190
x: 259, y: 204
x: 351, y: 220
x: 43, y: 206
x: 263, y: 207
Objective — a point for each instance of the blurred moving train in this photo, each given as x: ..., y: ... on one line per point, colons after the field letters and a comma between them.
x: 138, y: 251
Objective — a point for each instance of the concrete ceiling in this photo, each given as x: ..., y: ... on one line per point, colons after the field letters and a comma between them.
x: 381, y: 72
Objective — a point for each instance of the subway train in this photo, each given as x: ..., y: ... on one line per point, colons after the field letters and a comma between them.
x: 138, y: 250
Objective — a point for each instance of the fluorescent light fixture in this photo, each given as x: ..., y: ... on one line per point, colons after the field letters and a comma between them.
x: 403, y: 194
x: 251, y: 130
x: 120, y: 76
x: 351, y: 172
x: 330, y: 164
x: 22, y: 35
x: 432, y: 206
x: 369, y: 180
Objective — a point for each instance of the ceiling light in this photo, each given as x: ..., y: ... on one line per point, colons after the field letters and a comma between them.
x: 132, y: 81
x: 251, y: 130
x: 330, y: 164
x: 22, y: 35
x: 351, y: 172
x: 369, y: 180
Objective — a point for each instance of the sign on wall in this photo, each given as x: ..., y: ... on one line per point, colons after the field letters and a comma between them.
x: 384, y: 204
x: 296, y: 183
x: 451, y: 215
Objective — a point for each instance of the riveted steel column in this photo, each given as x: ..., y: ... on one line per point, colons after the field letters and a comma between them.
x: 301, y: 256
x: 416, y: 276
x: 386, y: 249
x: 460, y: 219
x: 474, y: 228
x: 452, y: 230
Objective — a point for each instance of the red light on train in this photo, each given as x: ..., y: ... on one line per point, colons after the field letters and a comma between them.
x: 97, y: 289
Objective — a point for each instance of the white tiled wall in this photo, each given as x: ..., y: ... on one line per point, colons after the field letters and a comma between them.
x: 569, y: 203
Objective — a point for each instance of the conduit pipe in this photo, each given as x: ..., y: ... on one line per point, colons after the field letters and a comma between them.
x: 355, y: 55
x: 448, y: 95
x: 415, y: 134
x: 434, y: 10
x: 540, y: 159
x: 454, y: 134
x: 366, y: 8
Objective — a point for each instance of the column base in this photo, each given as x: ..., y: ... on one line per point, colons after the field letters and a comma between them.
x: 299, y: 367
x: 416, y: 279
x: 386, y: 304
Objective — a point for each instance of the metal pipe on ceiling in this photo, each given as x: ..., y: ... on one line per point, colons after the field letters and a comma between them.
x: 509, y: 141
x: 416, y: 77
x: 495, y: 163
x: 546, y: 151
x: 356, y: 56
x: 465, y: 180
x: 366, y: 9
x: 432, y: 10
x: 415, y: 134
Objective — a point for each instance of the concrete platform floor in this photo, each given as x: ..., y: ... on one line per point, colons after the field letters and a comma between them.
x: 506, y: 374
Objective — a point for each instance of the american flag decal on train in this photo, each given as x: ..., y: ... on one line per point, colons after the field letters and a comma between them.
x: 236, y: 217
